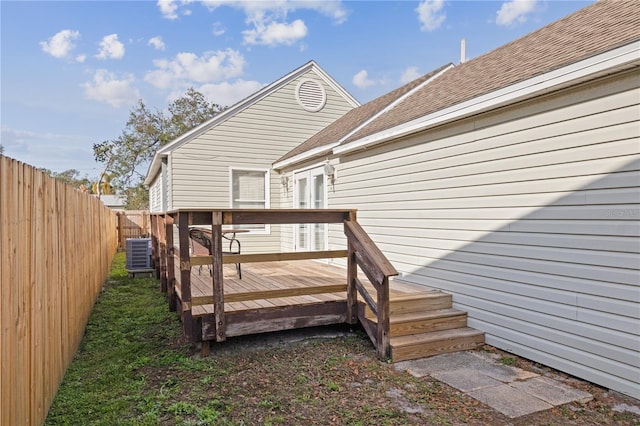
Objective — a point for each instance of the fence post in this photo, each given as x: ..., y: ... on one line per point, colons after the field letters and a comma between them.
x: 121, y: 235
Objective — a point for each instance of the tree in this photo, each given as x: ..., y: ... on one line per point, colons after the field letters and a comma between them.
x: 1, y: 149
x: 69, y: 177
x: 127, y: 157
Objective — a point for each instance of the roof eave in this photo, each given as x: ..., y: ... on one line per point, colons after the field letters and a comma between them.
x: 307, y: 155
x: 614, y: 59
x: 154, y: 168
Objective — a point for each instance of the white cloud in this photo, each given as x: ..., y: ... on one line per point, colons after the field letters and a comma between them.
x: 110, y: 48
x: 61, y: 44
x: 168, y: 9
x: 227, y: 93
x: 218, y: 29
x: 156, y: 42
x: 188, y: 69
x: 81, y: 58
x: 514, y: 12
x: 409, y: 74
x: 276, y: 33
x: 107, y: 87
x: 267, y: 20
x: 362, y: 80
x: 430, y: 15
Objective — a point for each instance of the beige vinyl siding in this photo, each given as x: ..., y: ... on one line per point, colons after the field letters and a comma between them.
x: 155, y: 195
x: 251, y: 139
x: 530, y: 216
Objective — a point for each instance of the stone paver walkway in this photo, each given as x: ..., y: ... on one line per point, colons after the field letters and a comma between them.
x: 510, y: 390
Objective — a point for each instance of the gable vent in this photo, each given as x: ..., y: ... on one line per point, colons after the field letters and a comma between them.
x: 311, y: 95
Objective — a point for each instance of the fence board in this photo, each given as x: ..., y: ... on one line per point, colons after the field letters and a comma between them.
x: 56, y: 247
x: 133, y: 224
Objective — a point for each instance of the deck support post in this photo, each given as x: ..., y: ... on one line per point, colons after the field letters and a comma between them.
x: 382, y: 338
x: 169, y: 260
x: 352, y: 276
x: 185, y: 277
x: 217, y: 276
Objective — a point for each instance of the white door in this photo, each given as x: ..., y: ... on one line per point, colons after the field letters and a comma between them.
x: 310, y: 193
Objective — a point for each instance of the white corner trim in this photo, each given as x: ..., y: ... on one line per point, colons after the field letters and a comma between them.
x: 305, y: 155
x: 510, y: 94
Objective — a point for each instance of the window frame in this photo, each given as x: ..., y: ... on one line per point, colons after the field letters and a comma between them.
x: 267, y: 192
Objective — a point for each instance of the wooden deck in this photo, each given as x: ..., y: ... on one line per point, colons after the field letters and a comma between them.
x: 287, y: 290
x: 292, y: 281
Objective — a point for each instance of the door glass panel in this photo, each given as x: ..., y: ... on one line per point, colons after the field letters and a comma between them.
x: 303, y: 194
x: 318, y: 202
x: 302, y: 229
x: 318, y: 191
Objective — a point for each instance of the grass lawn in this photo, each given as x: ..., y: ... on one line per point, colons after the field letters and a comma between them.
x: 134, y: 368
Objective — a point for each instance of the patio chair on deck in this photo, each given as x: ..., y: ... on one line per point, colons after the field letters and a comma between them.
x: 204, y: 239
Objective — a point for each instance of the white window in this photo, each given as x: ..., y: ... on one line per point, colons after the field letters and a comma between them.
x: 250, y: 190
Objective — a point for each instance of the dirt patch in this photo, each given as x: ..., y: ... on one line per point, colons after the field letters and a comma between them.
x: 338, y: 381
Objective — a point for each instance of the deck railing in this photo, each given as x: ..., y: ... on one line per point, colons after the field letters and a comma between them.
x: 361, y: 252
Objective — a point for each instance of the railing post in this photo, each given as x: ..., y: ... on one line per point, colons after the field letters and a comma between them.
x: 352, y: 275
x: 382, y: 337
x: 217, y: 276
x: 185, y: 276
x: 169, y: 262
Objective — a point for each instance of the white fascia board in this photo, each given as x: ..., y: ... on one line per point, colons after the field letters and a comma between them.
x: 304, y: 156
x: 331, y: 82
x: 516, y: 92
x: 154, y: 168
x: 393, y: 104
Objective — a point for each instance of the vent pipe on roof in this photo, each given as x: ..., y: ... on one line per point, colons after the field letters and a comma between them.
x: 463, y: 56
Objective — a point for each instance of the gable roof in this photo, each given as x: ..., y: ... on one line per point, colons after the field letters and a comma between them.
x: 155, y: 165
x: 352, y: 121
x: 523, y: 68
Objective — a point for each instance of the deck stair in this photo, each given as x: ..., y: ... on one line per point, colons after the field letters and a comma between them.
x: 423, y: 323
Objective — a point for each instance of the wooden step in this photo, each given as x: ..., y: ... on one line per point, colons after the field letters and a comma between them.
x: 434, y: 343
x: 424, y: 322
x: 416, y: 303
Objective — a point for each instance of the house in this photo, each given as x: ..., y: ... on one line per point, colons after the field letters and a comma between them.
x: 511, y: 181
x: 115, y: 202
x: 226, y: 161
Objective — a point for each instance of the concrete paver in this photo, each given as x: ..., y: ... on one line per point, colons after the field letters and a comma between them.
x: 510, y: 390
x: 552, y: 391
x: 510, y: 401
x: 465, y: 379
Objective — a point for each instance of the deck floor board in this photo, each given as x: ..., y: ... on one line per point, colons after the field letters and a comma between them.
x: 262, y: 276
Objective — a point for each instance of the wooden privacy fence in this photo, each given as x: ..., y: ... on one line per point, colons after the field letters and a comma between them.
x: 133, y: 224
x: 56, y: 248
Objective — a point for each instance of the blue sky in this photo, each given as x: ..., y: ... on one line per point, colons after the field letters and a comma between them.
x: 71, y: 71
